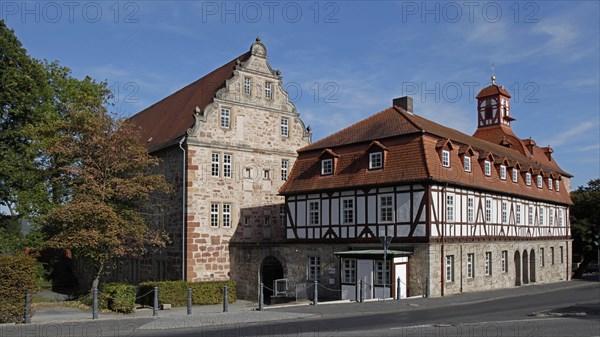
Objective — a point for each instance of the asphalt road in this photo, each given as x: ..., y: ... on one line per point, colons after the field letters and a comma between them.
x: 496, y: 317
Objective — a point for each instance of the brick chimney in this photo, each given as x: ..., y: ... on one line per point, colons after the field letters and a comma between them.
x: 406, y: 103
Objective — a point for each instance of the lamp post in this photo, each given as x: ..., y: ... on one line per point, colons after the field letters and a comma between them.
x: 385, y: 240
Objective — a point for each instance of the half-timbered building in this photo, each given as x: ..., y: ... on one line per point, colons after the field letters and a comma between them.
x: 464, y: 213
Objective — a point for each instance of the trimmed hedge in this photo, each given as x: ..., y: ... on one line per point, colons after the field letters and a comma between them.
x: 175, y: 292
x: 17, y: 274
x: 118, y: 297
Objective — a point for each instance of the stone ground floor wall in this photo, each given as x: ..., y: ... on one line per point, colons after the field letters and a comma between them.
x: 427, y: 264
x: 527, y: 262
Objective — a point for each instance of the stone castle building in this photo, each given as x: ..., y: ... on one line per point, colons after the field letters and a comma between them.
x: 227, y: 143
x: 255, y: 201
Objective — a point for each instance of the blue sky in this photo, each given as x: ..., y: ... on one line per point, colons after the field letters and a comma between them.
x: 344, y: 61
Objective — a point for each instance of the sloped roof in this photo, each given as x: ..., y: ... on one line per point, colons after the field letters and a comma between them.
x: 412, y: 156
x: 165, y: 122
x: 492, y: 90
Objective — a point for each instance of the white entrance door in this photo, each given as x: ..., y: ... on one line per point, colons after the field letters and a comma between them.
x: 364, y: 271
x: 400, y: 271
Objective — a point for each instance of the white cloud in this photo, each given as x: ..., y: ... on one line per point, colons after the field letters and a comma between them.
x: 568, y: 135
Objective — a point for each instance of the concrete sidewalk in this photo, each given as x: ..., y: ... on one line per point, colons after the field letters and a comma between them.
x: 245, y: 311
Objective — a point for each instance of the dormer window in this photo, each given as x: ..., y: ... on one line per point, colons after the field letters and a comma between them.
x: 539, y: 181
x: 375, y: 160
x: 467, y: 163
x: 445, y: 158
x: 502, y: 172
x: 528, y: 179
x: 326, y: 166
x: 487, y: 168
x: 515, y: 175
x: 557, y: 186
x: 549, y: 183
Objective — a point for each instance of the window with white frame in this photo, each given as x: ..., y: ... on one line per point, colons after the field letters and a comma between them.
x: 349, y: 271
x: 502, y: 172
x: 515, y: 175
x: 470, y: 265
x: 313, y: 268
x: 539, y: 181
x: 550, y: 217
x: 449, y: 268
x: 227, y: 215
x: 380, y: 272
x: 549, y: 183
x: 449, y: 208
x: 225, y: 118
x: 285, y: 126
x: 467, y: 163
x: 445, y: 158
x: 284, y: 169
x: 518, y: 214
x: 559, y: 220
x: 530, y: 215
x: 313, y: 212
x: 557, y: 186
x: 268, y: 90
x: 247, y: 85
x: 488, y: 263
x: 542, y: 259
x: 326, y: 166
x: 471, y: 209
x: 542, y: 211
x: 504, y: 212
x: 214, y: 214
x: 528, y: 179
x: 227, y: 165
x: 375, y: 160
x: 487, y: 168
x: 504, y: 261
x: 215, y: 164
x: 348, y: 210
x: 488, y: 210
x: 386, y: 210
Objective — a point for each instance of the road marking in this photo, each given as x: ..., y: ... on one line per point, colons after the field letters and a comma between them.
x: 438, y: 325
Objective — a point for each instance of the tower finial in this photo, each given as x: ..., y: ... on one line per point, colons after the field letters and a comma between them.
x: 493, y: 76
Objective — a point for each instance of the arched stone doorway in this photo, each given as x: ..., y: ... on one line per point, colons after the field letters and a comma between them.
x: 532, y: 266
x: 271, y: 269
x: 525, y: 268
x: 517, y: 268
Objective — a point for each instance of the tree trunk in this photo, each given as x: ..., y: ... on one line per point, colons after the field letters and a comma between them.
x: 96, y: 281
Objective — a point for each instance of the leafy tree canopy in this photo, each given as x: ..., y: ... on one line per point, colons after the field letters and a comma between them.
x: 585, y: 222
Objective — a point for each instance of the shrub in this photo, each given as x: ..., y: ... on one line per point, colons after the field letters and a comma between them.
x: 118, y: 297
x: 17, y: 276
x: 175, y: 292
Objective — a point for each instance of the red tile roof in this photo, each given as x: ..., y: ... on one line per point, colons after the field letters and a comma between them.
x: 165, y: 122
x: 493, y: 90
x: 413, y: 143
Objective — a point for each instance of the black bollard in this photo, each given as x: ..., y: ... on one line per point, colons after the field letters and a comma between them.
x: 155, y: 306
x: 316, y: 293
x: 95, y: 304
x: 398, y: 289
x: 361, y: 297
x: 427, y: 286
x: 225, y: 299
x: 189, y: 304
x: 261, y: 297
x: 27, y: 307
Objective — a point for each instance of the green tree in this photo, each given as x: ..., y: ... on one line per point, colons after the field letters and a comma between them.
x: 111, y: 180
x: 585, y: 223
